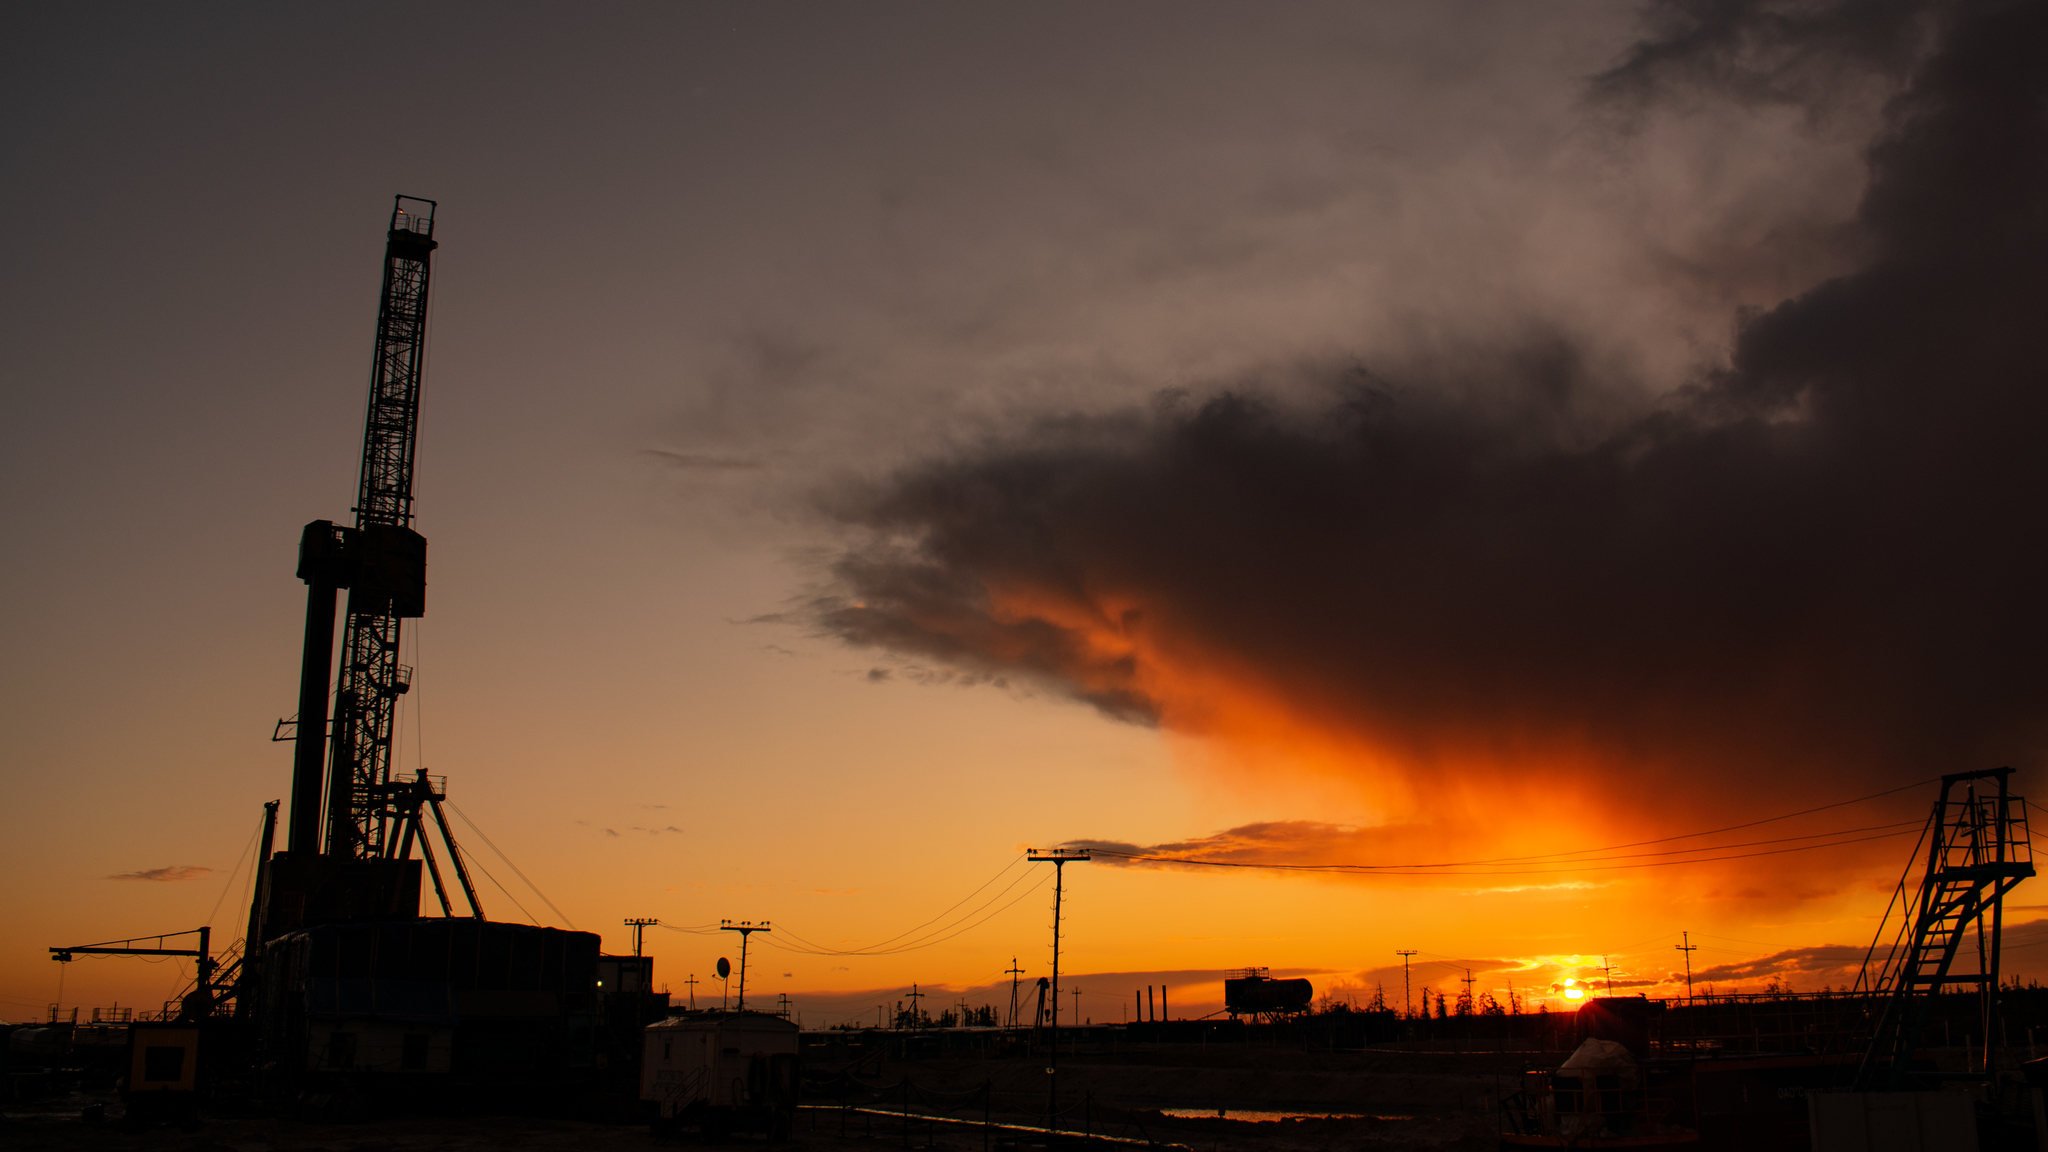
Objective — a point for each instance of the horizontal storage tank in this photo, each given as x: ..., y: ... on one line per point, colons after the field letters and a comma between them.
x: 1252, y: 995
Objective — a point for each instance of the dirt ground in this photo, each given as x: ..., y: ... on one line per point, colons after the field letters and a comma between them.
x: 1394, y: 1102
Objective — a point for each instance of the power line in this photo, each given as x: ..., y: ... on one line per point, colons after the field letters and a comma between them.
x: 964, y: 899
x: 883, y: 947
x: 515, y: 869
x: 922, y: 944
x: 508, y: 895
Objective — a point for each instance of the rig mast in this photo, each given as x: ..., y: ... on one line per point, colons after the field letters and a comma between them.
x: 369, y: 814
x: 394, y: 557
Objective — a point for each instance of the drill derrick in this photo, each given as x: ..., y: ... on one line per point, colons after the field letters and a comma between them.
x: 391, y: 561
x: 370, y: 820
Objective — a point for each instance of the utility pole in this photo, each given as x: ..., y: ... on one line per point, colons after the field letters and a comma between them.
x: 638, y: 926
x: 915, y: 996
x: 745, y: 928
x: 1607, y: 970
x: 1407, y: 992
x: 1014, y: 973
x: 1688, y: 948
x: 1471, y: 1007
x: 1059, y: 858
x: 1076, y: 994
x: 692, y: 983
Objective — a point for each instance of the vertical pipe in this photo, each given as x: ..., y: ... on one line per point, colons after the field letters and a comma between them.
x: 309, y: 756
x: 1164, y: 1014
x: 252, y: 939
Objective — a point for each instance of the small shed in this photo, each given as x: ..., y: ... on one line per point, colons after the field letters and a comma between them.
x: 725, y: 1070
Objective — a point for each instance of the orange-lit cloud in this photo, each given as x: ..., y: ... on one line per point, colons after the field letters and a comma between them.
x: 1807, y: 577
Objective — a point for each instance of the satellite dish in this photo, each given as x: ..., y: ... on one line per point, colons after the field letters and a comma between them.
x: 724, y: 968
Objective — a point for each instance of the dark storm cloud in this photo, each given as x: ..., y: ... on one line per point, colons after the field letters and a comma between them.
x: 1825, y: 554
x: 1763, y: 50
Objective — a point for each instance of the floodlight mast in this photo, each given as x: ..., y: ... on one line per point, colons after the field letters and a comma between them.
x: 1059, y: 858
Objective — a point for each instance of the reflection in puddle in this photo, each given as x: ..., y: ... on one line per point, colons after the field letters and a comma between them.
x: 1254, y: 1117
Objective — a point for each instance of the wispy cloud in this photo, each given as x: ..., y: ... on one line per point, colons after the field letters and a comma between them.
x: 172, y: 872
x: 705, y: 462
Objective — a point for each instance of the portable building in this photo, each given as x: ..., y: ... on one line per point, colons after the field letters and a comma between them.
x: 722, y: 1071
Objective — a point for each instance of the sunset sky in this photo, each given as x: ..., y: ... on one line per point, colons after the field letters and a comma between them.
x: 861, y: 443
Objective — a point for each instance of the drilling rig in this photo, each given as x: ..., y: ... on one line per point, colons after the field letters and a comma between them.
x: 350, y: 858
x: 341, y: 987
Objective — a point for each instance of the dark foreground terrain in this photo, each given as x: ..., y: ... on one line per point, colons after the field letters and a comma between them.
x: 1370, y: 1101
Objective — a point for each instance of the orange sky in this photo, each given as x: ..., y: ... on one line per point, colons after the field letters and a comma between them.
x: 700, y: 276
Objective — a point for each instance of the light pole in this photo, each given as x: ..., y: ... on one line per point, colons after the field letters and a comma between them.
x: 1059, y: 858
x: 745, y: 928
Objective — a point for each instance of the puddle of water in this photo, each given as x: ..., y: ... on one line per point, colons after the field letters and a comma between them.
x: 1255, y: 1117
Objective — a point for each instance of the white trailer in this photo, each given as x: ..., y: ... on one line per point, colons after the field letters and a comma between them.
x: 722, y: 1072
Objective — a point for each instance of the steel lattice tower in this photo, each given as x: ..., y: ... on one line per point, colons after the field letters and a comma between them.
x: 391, y: 556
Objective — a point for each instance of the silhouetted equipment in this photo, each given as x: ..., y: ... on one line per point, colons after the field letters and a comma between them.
x: 342, y: 991
x: 724, y: 968
x: 383, y: 564
x: 1977, y: 851
x: 164, y: 1076
x: 372, y: 816
x: 253, y: 936
x: 1251, y: 992
x: 510, y: 1001
x: 207, y: 984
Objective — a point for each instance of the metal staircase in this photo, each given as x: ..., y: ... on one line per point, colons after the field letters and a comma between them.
x: 1977, y: 851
